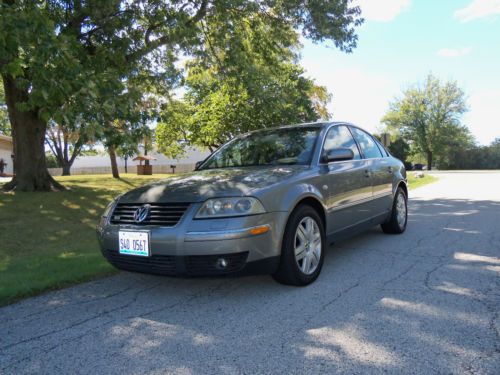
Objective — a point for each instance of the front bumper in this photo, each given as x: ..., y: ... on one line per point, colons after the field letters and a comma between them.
x: 193, y: 265
x: 196, y: 247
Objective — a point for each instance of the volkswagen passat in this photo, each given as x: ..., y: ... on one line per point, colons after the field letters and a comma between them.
x: 269, y: 201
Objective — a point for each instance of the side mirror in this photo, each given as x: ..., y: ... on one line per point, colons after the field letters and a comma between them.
x: 197, y: 165
x: 338, y: 154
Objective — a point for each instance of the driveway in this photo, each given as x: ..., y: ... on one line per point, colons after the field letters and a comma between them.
x: 423, y: 302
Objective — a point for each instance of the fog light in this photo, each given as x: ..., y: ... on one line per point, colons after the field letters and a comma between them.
x: 221, y: 263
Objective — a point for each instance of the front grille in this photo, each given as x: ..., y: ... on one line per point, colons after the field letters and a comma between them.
x: 162, y: 214
x: 170, y: 265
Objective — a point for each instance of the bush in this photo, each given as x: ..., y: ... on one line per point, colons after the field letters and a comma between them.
x: 51, y: 161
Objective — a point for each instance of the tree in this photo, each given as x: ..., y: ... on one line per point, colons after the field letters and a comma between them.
x: 54, y: 51
x: 122, y: 138
x: 476, y: 157
x: 129, y: 126
x: 429, y: 116
x: 399, y: 148
x: 250, y: 81
x: 66, y: 143
x: 126, y: 151
x: 458, y: 139
x: 172, y: 131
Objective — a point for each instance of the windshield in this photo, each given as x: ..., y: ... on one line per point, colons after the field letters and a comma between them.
x: 284, y: 146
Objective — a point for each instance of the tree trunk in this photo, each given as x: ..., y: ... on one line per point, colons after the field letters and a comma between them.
x: 114, y: 165
x: 146, y: 162
x: 66, y: 169
x: 429, y: 161
x: 28, y: 135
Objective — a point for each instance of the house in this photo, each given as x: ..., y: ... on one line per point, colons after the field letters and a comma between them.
x: 6, y: 153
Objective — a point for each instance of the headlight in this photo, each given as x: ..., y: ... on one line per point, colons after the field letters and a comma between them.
x: 111, y: 206
x: 223, y: 207
x: 108, y: 209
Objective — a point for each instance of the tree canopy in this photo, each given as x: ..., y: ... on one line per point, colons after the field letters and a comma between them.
x: 429, y: 117
x: 83, y: 52
x: 477, y: 157
x: 249, y: 81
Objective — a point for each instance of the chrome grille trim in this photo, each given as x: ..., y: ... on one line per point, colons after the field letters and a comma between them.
x: 162, y: 214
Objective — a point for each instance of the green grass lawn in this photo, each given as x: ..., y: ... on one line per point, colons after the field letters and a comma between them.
x: 414, y: 183
x: 48, y: 240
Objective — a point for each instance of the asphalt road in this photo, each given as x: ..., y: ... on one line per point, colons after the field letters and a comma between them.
x: 423, y: 302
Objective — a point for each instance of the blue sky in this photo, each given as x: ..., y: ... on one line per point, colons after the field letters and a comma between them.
x: 402, y: 41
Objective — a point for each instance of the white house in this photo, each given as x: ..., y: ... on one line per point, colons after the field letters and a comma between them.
x: 6, y: 152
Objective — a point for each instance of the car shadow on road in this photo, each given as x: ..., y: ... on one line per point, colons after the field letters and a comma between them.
x: 425, y: 301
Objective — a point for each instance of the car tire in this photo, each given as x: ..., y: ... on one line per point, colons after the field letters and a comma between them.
x: 300, y: 263
x: 399, y: 214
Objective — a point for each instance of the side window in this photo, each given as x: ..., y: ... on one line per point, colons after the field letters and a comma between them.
x: 367, y: 144
x: 340, y: 137
x: 382, y: 149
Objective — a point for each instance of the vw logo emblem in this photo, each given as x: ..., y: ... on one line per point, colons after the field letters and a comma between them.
x: 142, y: 213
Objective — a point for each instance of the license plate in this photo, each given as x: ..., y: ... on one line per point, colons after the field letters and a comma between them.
x: 133, y: 243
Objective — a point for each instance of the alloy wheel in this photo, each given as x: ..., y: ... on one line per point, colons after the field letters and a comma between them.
x: 307, y: 245
x: 401, y: 211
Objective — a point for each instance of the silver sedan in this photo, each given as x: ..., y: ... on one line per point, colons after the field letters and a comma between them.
x: 268, y: 201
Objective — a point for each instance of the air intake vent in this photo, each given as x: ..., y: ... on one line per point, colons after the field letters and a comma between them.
x: 161, y: 214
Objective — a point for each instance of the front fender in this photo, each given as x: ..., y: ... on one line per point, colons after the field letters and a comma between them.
x: 399, y: 177
x: 287, y: 198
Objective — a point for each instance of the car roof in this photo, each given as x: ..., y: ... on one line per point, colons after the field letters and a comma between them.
x: 316, y: 124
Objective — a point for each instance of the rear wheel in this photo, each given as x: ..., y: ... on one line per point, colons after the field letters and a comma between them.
x: 303, y: 248
x: 399, y: 215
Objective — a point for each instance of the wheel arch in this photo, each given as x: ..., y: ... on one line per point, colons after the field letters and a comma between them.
x: 315, y: 203
x: 403, y: 186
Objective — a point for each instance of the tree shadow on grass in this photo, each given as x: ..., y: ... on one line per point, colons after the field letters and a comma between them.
x: 48, y: 240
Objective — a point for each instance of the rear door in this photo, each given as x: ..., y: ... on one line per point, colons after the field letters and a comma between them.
x: 348, y: 182
x: 380, y: 171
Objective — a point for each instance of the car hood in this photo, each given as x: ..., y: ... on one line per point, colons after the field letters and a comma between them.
x: 200, y: 185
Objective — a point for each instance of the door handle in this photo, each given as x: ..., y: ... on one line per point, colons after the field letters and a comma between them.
x: 367, y: 173
x: 389, y: 169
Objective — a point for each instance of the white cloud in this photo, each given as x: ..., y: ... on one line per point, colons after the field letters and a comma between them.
x: 478, y: 9
x: 382, y: 10
x: 483, y: 118
x: 454, y: 52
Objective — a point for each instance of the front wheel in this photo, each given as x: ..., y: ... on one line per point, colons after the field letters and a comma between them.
x: 399, y: 215
x: 303, y: 248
